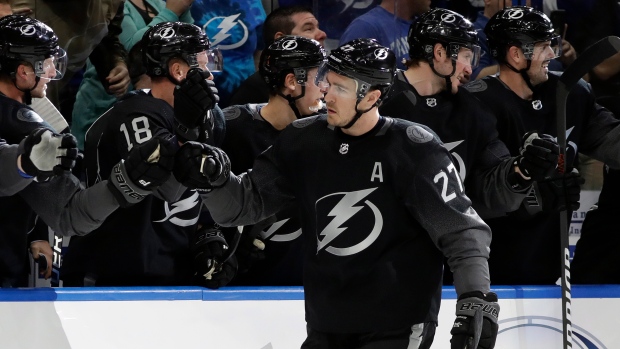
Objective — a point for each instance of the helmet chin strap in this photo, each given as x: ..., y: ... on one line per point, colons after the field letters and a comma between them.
x: 358, y: 114
x: 446, y: 77
x: 27, y: 99
x: 523, y: 73
x: 291, y: 101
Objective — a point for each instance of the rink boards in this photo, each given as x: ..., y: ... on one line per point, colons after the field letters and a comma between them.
x: 266, y: 318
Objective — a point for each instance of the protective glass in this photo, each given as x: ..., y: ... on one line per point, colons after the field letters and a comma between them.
x: 467, y: 55
x: 53, y: 67
x: 208, y: 60
x: 342, y: 88
x: 543, y: 49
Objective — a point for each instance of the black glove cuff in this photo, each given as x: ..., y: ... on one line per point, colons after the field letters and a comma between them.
x: 469, y: 302
x: 515, y: 180
x: 125, y: 191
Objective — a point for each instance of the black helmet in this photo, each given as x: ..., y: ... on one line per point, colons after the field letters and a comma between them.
x: 443, y: 26
x: 364, y: 60
x: 290, y: 54
x: 519, y: 26
x: 174, y: 40
x: 24, y: 39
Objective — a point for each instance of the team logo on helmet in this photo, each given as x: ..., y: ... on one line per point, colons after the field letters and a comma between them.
x: 347, y: 48
x: 289, y: 45
x: 28, y: 29
x: 381, y: 53
x: 166, y: 33
x: 514, y: 14
x: 448, y: 18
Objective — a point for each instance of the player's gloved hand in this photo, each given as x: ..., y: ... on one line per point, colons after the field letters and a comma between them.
x: 539, y: 156
x: 148, y: 166
x: 45, y: 153
x: 194, y: 97
x: 560, y: 192
x: 465, y: 327
x: 213, y: 267
x: 201, y: 166
x: 250, y: 248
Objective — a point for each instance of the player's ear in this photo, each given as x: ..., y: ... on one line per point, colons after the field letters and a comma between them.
x: 372, y: 97
x: 290, y: 81
x: 439, y: 52
x: 514, y: 55
x: 176, y: 70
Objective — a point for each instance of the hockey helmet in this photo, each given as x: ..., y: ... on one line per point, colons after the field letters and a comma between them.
x: 25, y: 39
x: 168, y: 40
x: 520, y: 26
x: 365, y: 61
x: 443, y: 26
x: 290, y: 54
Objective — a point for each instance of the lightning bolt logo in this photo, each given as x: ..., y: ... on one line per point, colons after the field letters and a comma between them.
x: 181, y: 206
x: 225, y: 27
x: 342, y: 212
x: 457, y: 158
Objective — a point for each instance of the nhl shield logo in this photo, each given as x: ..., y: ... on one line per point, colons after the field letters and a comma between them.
x: 537, y: 104
x: 431, y: 102
x: 344, y: 148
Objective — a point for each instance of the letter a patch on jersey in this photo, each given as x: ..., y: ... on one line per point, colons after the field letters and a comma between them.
x: 377, y: 172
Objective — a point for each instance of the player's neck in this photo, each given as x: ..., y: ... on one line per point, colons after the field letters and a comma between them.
x: 9, y: 90
x: 278, y: 112
x: 162, y: 88
x: 425, y: 82
x: 514, y: 81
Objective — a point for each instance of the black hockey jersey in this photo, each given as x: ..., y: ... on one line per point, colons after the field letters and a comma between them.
x: 247, y: 136
x: 147, y: 243
x: 376, y: 211
x: 468, y: 131
x: 17, y: 220
x: 525, y: 250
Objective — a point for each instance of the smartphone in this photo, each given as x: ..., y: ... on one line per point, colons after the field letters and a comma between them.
x: 558, y: 20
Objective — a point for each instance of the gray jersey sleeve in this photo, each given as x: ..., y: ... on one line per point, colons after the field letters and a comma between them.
x: 437, y: 200
x: 601, y: 139
x: 67, y: 207
x: 251, y: 197
x: 10, y: 180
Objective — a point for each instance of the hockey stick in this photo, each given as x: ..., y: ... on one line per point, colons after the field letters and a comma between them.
x: 589, y: 59
x: 472, y: 343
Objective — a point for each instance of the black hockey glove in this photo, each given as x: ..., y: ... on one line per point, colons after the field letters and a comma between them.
x: 194, y: 97
x: 201, y: 166
x: 476, y: 319
x: 213, y: 267
x: 539, y: 156
x: 250, y: 248
x: 148, y: 166
x: 45, y: 153
x: 561, y: 192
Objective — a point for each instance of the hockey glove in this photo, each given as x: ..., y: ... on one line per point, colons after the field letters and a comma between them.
x: 213, y: 267
x: 201, y: 166
x: 561, y: 192
x: 148, y: 166
x: 250, y: 248
x: 539, y: 156
x: 194, y: 97
x: 466, y: 330
x: 45, y: 153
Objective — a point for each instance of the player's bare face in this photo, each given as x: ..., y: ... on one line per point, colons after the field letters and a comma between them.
x: 307, y: 26
x: 39, y: 88
x: 463, y: 68
x: 312, y: 100
x: 539, y: 69
x: 340, y: 99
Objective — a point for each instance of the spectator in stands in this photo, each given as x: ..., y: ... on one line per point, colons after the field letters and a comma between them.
x: 98, y: 92
x: 389, y: 24
x: 282, y: 21
x: 235, y: 28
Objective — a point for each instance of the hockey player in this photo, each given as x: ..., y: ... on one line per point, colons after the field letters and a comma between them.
x: 289, y: 67
x: 378, y: 198
x: 155, y: 240
x: 443, y: 48
x: 522, y: 97
x: 29, y: 59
